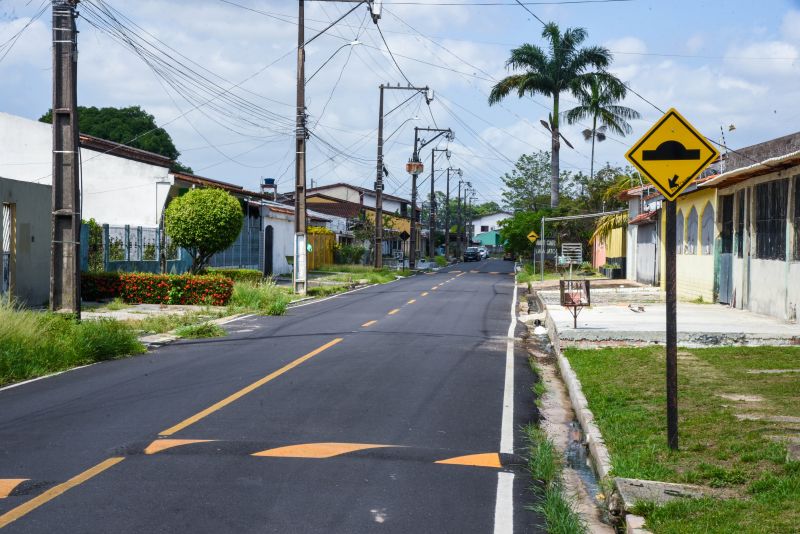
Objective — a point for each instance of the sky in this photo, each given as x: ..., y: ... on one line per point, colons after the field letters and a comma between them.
x: 732, y: 67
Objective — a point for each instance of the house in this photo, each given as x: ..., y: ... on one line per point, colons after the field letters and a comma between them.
x: 758, y: 266
x: 488, y: 222
x: 643, y: 238
x: 25, y: 241
x: 610, y: 250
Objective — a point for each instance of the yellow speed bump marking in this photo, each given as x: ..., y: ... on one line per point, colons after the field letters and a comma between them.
x: 424, y: 293
x: 368, y: 323
x: 487, y: 459
x: 244, y: 391
x: 27, y: 507
x: 394, y: 311
x: 7, y: 485
x: 412, y: 301
x: 164, y: 444
x: 317, y: 450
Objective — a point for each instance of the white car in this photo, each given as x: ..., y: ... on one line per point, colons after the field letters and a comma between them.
x: 484, y: 253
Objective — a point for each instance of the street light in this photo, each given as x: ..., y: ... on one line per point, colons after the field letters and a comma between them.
x: 351, y: 43
x: 415, y: 118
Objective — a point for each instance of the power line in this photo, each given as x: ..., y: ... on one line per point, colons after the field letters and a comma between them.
x: 392, y: 55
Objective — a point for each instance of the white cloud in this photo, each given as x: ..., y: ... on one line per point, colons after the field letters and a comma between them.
x: 790, y: 27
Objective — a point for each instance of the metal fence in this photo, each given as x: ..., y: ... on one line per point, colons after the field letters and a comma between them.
x: 246, y: 252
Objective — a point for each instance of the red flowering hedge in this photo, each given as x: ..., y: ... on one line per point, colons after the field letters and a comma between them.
x: 146, y: 288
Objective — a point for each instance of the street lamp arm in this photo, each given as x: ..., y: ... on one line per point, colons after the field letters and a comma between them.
x: 441, y: 131
x: 335, y: 22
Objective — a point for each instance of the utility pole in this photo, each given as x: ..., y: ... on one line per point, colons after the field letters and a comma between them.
x: 378, y: 262
x: 432, y: 214
x: 65, y: 284
x: 447, y: 211
x: 415, y: 167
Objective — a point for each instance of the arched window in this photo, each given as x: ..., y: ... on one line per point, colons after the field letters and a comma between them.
x: 679, y: 232
x: 707, y: 230
x: 691, y: 232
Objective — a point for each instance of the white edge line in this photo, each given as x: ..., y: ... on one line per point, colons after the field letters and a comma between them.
x: 504, y: 506
x: 507, y: 426
x: 345, y: 293
x: 51, y: 375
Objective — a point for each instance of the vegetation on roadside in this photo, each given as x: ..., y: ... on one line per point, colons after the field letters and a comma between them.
x: 718, y: 449
x: 34, y: 343
x: 545, y: 465
x: 253, y: 276
x: 264, y: 297
x: 200, y: 331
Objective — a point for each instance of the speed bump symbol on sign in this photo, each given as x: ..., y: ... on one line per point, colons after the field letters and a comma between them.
x: 671, y: 154
x: 533, y: 236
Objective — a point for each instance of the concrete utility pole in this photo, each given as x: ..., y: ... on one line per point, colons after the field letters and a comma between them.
x: 432, y: 213
x: 65, y: 283
x: 415, y: 167
x: 378, y: 262
x: 447, y: 211
x: 300, y: 271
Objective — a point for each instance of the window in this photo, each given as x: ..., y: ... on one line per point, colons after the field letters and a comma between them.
x: 707, y: 230
x: 797, y: 218
x: 771, y: 200
x: 740, y: 223
x: 726, y: 224
x: 484, y: 228
x: 691, y: 232
x: 679, y: 232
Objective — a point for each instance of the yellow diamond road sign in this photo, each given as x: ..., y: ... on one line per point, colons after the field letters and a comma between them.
x: 671, y: 154
x: 533, y: 236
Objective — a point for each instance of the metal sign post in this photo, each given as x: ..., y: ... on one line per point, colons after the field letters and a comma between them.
x: 671, y: 154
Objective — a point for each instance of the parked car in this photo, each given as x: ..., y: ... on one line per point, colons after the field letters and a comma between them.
x: 472, y: 254
x: 484, y: 253
x: 509, y: 256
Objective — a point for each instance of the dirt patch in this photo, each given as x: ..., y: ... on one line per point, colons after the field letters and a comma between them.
x: 741, y: 398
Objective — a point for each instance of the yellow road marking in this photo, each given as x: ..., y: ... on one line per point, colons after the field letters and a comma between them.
x: 164, y: 444
x: 434, y: 288
x: 424, y: 293
x: 317, y: 450
x: 244, y: 391
x: 394, y: 311
x: 412, y: 301
x: 494, y: 272
x: 368, y: 323
x: 24, y: 508
x: 488, y: 459
x: 7, y: 485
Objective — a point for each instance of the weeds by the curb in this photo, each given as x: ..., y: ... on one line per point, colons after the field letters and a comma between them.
x: 200, y: 331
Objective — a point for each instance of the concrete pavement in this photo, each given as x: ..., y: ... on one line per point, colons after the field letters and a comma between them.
x: 383, y: 409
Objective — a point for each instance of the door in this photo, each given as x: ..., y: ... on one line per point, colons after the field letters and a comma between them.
x: 726, y: 252
x: 646, y: 257
x: 268, y: 239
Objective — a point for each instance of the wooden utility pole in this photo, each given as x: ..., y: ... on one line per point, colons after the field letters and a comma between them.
x: 65, y: 284
x: 379, y: 190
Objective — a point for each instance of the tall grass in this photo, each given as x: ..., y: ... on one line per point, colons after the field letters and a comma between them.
x: 38, y: 343
x: 265, y: 297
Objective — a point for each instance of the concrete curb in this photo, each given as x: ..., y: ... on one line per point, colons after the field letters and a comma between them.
x: 159, y: 340
x: 597, y: 447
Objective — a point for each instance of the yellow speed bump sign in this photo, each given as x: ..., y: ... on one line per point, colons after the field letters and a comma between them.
x: 533, y: 236
x: 671, y: 154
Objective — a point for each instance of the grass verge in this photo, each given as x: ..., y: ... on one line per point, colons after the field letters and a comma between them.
x: 265, y: 298
x: 34, y: 344
x: 718, y: 449
x: 200, y: 331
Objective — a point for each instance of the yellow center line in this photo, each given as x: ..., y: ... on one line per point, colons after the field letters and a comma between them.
x: 368, y: 323
x: 394, y: 311
x: 434, y: 288
x: 412, y: 301
x: 244, y: 391
x: 424, y: 293
x: 26, y: 507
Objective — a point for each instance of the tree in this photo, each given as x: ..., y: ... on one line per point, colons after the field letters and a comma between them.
x: 598, y: 95
x: 526, y: 187
x: 131, y: 126
x: 514, y: 231
x: 204, y: 222
x: 562, y: 68
x: 486, y: 208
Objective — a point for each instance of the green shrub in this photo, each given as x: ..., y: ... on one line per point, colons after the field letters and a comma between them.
x: 441, y: 261
x: 37, y: 343
x: 265, y: 297
x: 348, y: 254
x: 145, y: 288
x: 200, y: 331
x: 238, y: 275
x: 100, y: 286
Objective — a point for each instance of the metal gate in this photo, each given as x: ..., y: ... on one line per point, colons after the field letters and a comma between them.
x: 647, y: 265
x: 268, y: 240
x: 726, y: 255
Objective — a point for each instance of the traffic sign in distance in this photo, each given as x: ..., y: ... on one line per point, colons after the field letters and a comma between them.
x: 404, y: 235
x: 671, y: 154
x: 533, y: 236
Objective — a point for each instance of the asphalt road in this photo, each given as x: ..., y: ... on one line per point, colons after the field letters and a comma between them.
x: 396, y: 408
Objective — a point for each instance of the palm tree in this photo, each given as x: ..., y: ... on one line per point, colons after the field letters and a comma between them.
x: 598, y: 95
x: 562, y: 68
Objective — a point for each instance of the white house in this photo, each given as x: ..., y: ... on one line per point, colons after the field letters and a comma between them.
x: 120, y: 185
x: 489, y: 222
